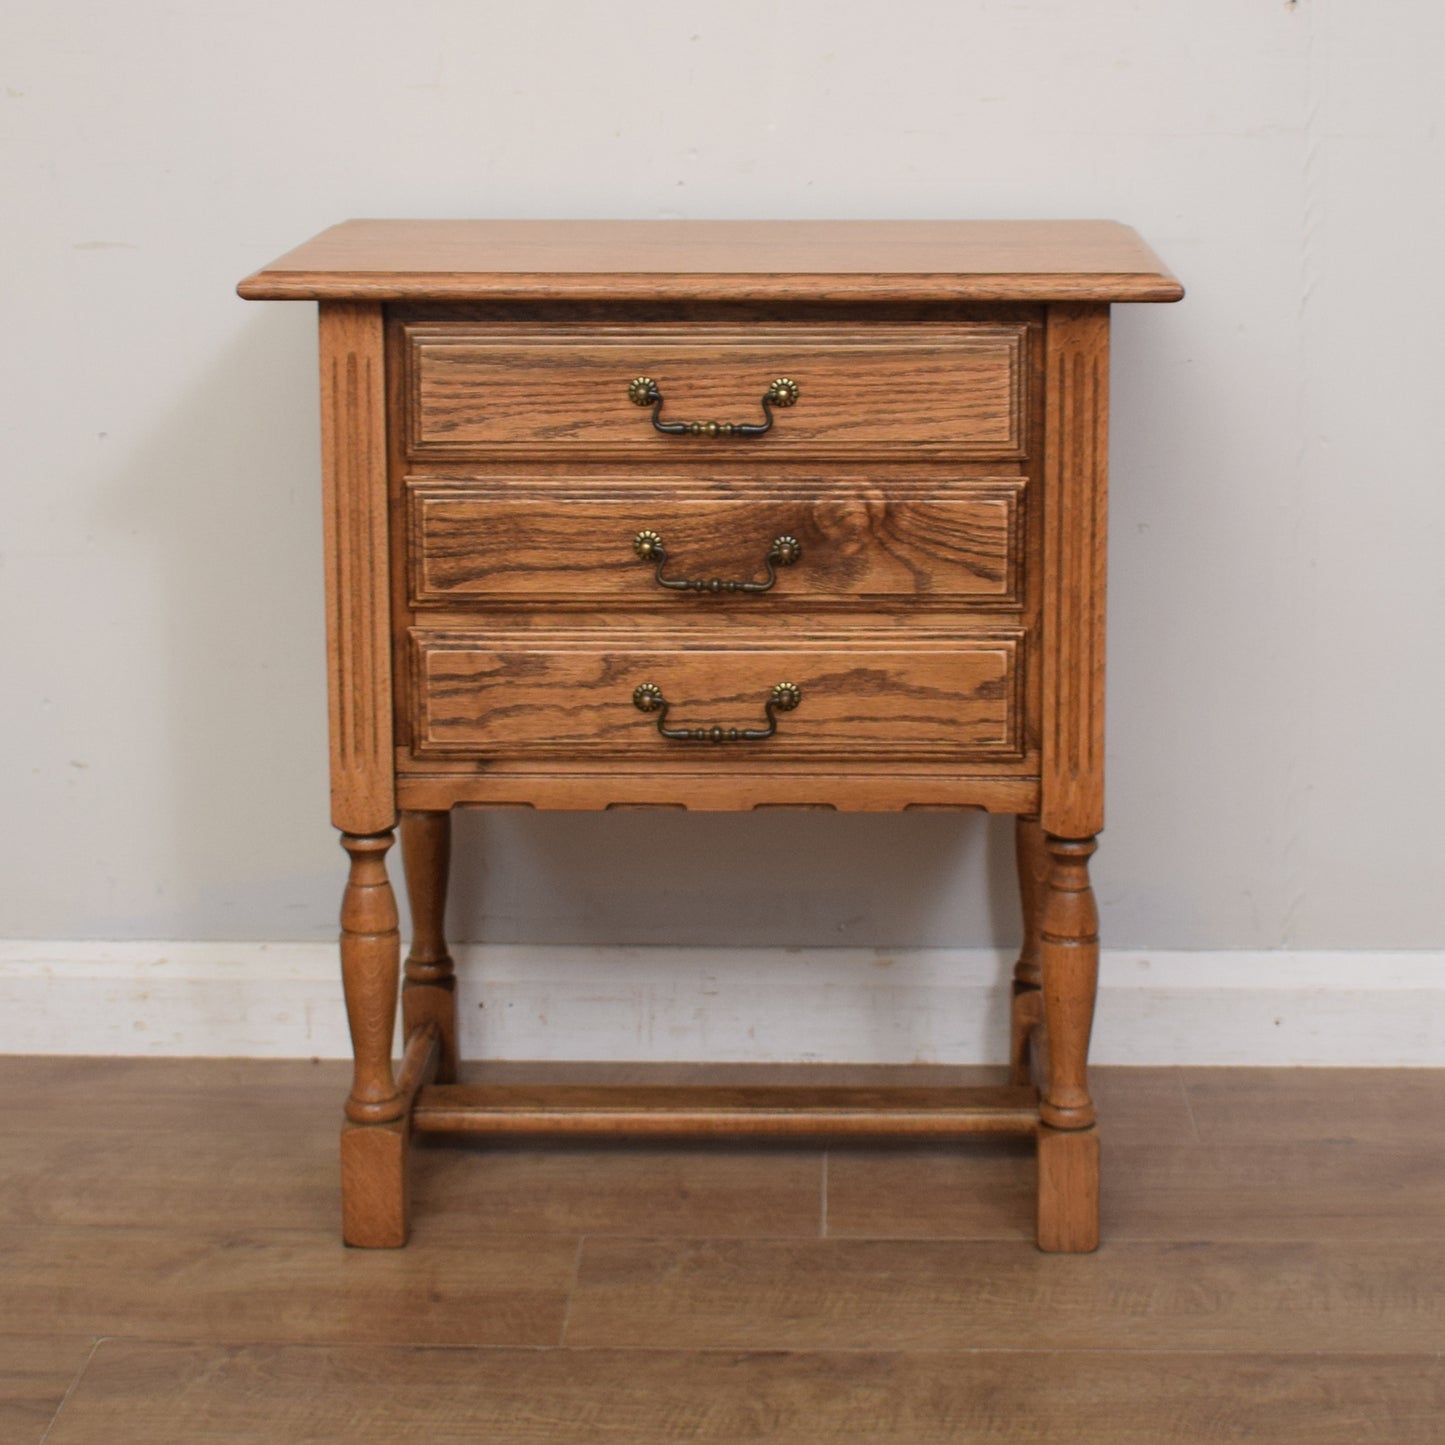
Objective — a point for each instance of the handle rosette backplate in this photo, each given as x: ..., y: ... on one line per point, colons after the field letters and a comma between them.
x: 785, y: 696
x: 644, y: 391
x: 649, y: 547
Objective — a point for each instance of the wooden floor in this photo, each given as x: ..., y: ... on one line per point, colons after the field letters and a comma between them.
x: 170, y: 1271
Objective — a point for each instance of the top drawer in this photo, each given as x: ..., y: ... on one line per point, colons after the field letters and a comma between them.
x: 950, y: 390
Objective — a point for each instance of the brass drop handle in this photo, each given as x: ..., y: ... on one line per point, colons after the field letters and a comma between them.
x: 784, y: 697
x: 650, y: 548
x: 643, y: 391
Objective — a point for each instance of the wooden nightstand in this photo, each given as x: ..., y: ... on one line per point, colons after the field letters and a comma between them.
x: 719, y: 515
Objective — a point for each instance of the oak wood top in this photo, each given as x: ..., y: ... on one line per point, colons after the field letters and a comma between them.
x: 901, y: 261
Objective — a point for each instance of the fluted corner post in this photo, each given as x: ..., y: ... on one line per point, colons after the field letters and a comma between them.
x: 429, y: 994
x: 1027, y: 1011
x: 1068, y: 1137
x: 376, y: 1134
x: 1071, y: 765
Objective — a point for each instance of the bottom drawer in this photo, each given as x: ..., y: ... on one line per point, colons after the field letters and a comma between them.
x: 585, y: 695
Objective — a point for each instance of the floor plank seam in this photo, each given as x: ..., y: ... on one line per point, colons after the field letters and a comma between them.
x: 571, y: 1291
x: 908, y: 1351
x: 70, y: 1389
x: 823, y: 1202
x: 942, y: 1352
x: 1189, y: 1106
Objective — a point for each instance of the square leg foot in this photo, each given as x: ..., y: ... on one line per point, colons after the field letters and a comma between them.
x: 374, y: 1198
x: 1068, y: 1219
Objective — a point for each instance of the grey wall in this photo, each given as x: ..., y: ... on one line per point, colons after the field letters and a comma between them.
x: 1275, y: 683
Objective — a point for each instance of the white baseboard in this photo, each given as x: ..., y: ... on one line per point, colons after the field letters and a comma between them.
x: 277, y: 1000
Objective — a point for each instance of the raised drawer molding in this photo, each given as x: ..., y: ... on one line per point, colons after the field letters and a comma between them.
x: 516, y: 541
x: 568, y: 695
x: 722, y: 516
x: 874, y: 392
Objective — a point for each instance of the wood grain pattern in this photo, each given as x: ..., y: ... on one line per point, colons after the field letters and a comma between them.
x: 699, y: 1110
x: 471, y: 1186
x: 1068, y: 1190
x: 1158, y: 1189
x: 358, y: 630
x: 1363, y: 1296
x: 142, y: 1095
x: 1404, y: 1108
x: 251, y: 1285
x: 374, y: 1137
x: 945, y: 624
x: 429, y: 995
x: 940, y: 545
x: 1026, y: 1013
x: 936, y: 389
x: 223, y: 1333
x: 36, y: 1370
x: 370, y: 967
x: 375, y: 1184
x: 1069, y: 964
x: 280, y: 1174
x: 375, y: 1177
x: 167, y: 1394
x: 1288, y: 1191
x: 570, y: 695
x: 934, y: 1190
x: 1075, y: 528
x: 782, y: 261
x: 715, y: 792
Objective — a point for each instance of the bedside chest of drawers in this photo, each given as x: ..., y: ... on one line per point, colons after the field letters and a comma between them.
x: 714, y: 515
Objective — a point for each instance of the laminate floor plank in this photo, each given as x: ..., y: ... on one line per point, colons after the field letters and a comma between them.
x: 140, y: 1095
x: 947, y: 1295
x: 465, y: 1188
x: 1277, y: 1106
x: 188, y: 1179
x: 282, y: 1286
x: 1272, y: 1270
x: 1291, y: 1192
x: 980, y: 1190
x: 247, y: 1150
x: 1318, y: 1190
x: 1147, y: 1104
x: 205, y: 1395
x: 201, y: 1182
x: 35, y: 1373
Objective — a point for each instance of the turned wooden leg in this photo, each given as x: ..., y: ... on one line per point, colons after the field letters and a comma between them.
x: 374, y: 1139
x: 429, y: 995
x: 1027, y: 1013
x: 1068, y: 1219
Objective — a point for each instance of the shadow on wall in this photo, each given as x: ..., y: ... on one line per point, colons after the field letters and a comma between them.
x: 774, y: 878
x: 227, y: 492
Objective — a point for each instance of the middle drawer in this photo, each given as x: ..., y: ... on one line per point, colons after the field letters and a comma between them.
x: 515, y: 542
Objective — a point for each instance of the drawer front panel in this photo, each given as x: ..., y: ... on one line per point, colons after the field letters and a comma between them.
x: 946, y: 545
x: 945, y: 389
x: 863, y: 695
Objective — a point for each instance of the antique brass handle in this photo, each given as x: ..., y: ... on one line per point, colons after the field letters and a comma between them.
x: 642, y: 391
x: 784, y: 697
x: 649, y: 547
